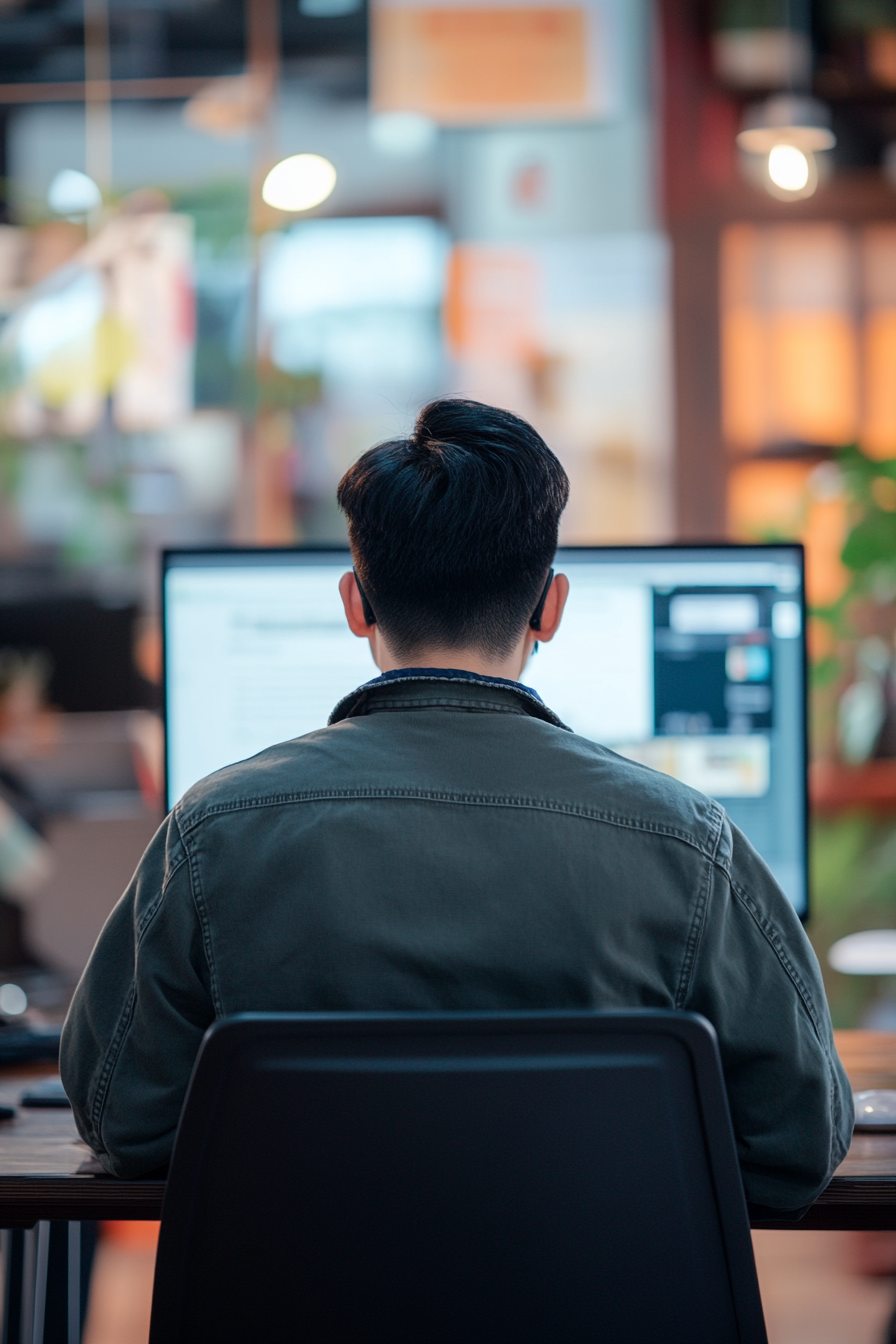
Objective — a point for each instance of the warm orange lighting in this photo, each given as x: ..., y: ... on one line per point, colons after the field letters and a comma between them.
x: 878, y: 274
x: 767, y: 499
x: 813, y: 376
x: 744, y: 378
x: 744, y: 345
x: 796, y: 500
x: 790, y: 358
x: 879, y: 349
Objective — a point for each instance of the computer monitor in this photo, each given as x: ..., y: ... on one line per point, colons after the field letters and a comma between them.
x: 689, y: 659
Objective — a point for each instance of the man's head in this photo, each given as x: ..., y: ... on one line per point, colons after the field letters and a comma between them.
x: 453, y: 529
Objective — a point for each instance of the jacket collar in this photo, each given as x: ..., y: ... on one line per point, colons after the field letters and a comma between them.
x: 441, y: 686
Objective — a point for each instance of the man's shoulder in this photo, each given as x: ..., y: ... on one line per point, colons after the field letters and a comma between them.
x: 273, y: 774
x: 627, y: 793
x: 505, y: 759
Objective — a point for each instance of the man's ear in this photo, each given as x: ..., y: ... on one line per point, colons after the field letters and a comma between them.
x: 354, y: 607
x: 552, y: 612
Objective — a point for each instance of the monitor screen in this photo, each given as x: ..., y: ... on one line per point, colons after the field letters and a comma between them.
x: 688, y: 659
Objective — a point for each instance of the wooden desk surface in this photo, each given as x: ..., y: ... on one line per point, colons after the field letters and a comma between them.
x: 47, y: 1172
x: 862, y: 1194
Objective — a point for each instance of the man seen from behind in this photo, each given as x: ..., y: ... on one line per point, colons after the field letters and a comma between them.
x: 446, y: 843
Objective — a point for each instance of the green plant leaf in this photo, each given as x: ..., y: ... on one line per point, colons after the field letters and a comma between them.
x: 871, y: 541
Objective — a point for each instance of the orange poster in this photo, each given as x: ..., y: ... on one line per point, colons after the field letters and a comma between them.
x: 463, y: 63
x: 491, y: 302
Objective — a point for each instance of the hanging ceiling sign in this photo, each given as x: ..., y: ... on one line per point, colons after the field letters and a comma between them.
x: 498, y: 61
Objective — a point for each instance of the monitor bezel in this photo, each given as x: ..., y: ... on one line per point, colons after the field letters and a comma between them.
x: 173, y: 555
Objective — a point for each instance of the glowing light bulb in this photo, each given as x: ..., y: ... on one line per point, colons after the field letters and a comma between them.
x: 73, y: 193
x: 13, y: 1000
x: 788, y: 167
x: 299, y: 182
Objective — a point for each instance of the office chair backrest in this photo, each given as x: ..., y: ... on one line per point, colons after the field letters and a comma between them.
x: 456, y: 1179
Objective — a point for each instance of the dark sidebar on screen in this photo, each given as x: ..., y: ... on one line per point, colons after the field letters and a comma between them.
x: 710, y: 683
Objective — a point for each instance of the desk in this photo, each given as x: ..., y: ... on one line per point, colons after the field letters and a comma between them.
x: 47, y: 1173
x: 47, y: 1176
x: 862, y: 1194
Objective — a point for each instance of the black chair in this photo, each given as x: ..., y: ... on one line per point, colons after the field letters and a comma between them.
x: 456, y: 1179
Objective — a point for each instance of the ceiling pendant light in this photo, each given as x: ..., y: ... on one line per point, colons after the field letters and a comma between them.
x: 299, y: 183
x: 782, y: 136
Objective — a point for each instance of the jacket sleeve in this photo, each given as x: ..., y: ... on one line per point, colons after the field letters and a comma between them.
x: 756, y: 978
x: 139, y: 1014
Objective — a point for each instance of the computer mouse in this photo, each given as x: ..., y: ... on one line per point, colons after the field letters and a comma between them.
x: 876, y: 1110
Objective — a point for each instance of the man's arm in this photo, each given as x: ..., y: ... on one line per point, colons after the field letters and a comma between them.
x: 757, y: 979
x: 139, y: 1015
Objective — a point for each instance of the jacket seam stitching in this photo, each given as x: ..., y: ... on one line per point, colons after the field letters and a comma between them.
x: 112, y: 1056
x: 426, y: 702
x: 152, y: 910
x: 834, y: 1134
x: 468, y: 800
x: 771, y: 937
x: 805, y: 995
x: 120, y: 1035
x: 698, y: 921
x: 202, y: 915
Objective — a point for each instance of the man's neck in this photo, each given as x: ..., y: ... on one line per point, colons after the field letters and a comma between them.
x: 509, y: 668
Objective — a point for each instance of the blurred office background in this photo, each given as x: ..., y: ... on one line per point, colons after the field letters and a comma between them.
x: 184, y: 362
x: 662, y: 230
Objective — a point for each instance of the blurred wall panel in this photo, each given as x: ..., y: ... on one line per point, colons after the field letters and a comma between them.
x: 477, y: 63
x: 94, y: 861
x: 473, y: 64
x: 697, y: 162
x: 525, y: 182
x: 558, y: 295
x: 574, y: 335
x: 701, y: 468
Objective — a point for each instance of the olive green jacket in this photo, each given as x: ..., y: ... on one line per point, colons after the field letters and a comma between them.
x: 447, y: 844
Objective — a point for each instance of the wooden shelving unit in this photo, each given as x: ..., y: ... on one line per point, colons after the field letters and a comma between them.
x: 837, y: 788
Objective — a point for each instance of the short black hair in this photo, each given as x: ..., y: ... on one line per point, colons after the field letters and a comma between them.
x: 453, y: 530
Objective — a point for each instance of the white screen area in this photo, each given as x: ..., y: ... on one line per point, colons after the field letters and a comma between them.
x: 690, y: 664
x: 597, y: 674
x: 255, y: 655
